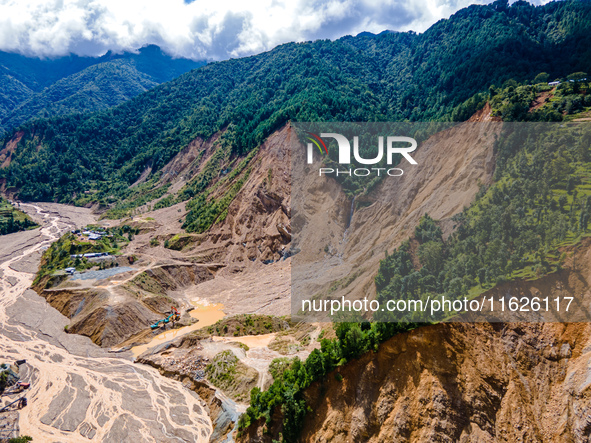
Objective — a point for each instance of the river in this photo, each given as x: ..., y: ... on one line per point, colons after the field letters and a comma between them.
x: 79, y: 391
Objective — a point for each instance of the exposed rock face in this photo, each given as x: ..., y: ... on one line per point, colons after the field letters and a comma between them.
x: 257, y: 226
x: 458, y: 383
x: 466, y: 382
x: 462, y: 382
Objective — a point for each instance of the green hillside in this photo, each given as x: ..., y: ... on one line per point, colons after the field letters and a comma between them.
x: 35, y: 88
x: 13, y: 220
x: 390, y: 76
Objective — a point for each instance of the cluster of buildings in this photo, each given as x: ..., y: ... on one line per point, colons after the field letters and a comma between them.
x: 556, y: 83
x: 89, y: 255
x: 92, y: 235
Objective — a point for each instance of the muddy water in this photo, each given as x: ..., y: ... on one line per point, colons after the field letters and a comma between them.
x: 80, y: 392
x: 206, y: 313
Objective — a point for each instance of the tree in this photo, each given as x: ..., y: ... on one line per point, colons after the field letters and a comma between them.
x: 542, y: 77
x: 294, y: 411
x: 353, y: 343
x: 431, y: 256
x: 315, y: 365
x: 583, y: 220
x: 560, y: 168
x: 576, y: 78
x: 3, y: 380
x: 427, y: 230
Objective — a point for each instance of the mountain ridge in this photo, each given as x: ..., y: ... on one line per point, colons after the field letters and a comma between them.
x: 392, y: 76
x: 35, y: 87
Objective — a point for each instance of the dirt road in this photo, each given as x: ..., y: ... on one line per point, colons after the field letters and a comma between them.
x: 78, y: 389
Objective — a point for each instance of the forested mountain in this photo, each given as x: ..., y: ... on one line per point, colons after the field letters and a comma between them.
x: 390, y: 76
x: 33, y: 87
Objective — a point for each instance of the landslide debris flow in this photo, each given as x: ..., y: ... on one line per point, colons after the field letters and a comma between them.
x: 78, y: 389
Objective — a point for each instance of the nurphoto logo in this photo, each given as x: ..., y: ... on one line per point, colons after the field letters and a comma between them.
x: 344, y: 154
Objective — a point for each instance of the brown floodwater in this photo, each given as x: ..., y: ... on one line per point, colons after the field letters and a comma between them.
x: 207, y: 314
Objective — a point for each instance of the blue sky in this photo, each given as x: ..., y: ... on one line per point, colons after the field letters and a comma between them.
x: 211, y: 29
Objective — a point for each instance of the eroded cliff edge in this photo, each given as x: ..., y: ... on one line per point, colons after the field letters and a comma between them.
x: 458, y: 382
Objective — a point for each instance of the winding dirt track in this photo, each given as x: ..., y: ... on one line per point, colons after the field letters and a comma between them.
x: 80, y: 392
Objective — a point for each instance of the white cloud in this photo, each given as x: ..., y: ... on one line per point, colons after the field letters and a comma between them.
x: 210, y: 29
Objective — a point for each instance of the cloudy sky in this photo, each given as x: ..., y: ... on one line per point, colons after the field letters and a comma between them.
x: 202, y: 29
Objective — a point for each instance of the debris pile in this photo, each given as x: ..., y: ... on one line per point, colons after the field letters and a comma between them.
x: 190, y: 365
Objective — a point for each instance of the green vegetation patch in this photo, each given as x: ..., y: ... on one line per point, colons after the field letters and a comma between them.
x: 245, y: 324
x: 148, y: 283
x: 59, y: 255
x: 291, y: 377
x: 232, y: 376
x: 136, y: 197
x: 13, y: 220
x: 540, y: 203
x: 294, y: 339
x: 180, y: 241
x: 204, y: 211
x: 513, y: 102
x: 278, y: 367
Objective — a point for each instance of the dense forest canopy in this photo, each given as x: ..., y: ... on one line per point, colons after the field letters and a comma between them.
x: 385, y: 77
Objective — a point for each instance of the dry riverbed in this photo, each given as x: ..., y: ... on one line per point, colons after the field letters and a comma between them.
x: 77, y: 388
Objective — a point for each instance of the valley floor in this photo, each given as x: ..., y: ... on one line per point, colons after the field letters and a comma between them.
x: 84, y: 369
x: 77, y: 388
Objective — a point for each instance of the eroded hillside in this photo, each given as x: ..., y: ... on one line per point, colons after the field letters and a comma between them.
x: 452, y: 165
x: 459, y: 382
x: 435, y: 383
x: 467, y: 382
x: 247, y: 249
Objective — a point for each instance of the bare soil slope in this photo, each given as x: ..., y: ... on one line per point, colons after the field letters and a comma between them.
x: 467, y: 382
x: 250, y: 245
x: 336, y: 261
x: 462, y: 382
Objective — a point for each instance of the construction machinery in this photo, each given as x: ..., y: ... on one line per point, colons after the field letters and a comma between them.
x: 174, y: 316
